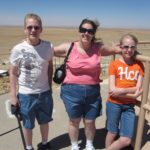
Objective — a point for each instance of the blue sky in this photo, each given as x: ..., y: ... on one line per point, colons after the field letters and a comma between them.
x: 110, y: 13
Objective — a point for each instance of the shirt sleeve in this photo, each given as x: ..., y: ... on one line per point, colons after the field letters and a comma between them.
x: 15, y: 57
x: 141, y: 68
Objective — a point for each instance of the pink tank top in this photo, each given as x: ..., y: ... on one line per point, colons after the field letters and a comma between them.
x: 83, y: 68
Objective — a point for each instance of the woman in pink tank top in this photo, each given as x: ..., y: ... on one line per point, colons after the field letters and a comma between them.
x: 80, y: 90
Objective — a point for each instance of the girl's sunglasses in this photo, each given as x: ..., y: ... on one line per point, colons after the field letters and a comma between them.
x: 127, y: 47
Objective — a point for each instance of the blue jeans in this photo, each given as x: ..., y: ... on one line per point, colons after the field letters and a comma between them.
x: 82, y: 100
x: 39, y: 106
x: 120, y: 119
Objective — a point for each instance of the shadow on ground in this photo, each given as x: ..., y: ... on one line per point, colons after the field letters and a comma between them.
x: 146, y: 133
x: 63, y: 141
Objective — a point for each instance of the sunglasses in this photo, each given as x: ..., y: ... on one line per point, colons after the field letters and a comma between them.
x: 33, y: 27
x: 127, y: 47
x: 84, y: 30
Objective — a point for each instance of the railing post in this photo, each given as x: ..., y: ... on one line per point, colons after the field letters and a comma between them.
x: 142, y: 110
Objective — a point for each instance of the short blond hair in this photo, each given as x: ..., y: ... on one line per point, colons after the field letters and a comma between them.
x: 34, y: 16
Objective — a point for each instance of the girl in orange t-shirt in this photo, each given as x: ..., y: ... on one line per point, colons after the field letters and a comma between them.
x: 125, y: 82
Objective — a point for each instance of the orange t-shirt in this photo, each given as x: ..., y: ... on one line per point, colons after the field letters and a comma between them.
x: 125, y: 76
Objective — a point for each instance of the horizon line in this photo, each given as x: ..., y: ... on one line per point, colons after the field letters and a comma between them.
x: 65, y: 26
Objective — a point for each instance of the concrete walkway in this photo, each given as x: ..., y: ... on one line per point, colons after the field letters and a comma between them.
x: 58, y: 136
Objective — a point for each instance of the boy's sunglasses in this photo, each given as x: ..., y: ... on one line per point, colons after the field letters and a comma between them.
x: 35, y: 28
x: 127, y: 47
x: 84, y: 30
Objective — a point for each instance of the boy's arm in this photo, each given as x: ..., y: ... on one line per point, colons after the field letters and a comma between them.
x: 50, y: 73
x: 13, y: 77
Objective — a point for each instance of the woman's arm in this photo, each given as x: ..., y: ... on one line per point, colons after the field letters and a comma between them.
x: 61, y: 50
x: 114, y: 49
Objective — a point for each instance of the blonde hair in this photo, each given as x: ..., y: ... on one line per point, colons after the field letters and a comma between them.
x: 33, y: 16
x: 129, y: 36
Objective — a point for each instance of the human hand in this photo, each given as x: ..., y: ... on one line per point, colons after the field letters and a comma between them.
x: 14, y: 109
x: 138, y: 92
x: 14, y: 100
x: 117, y: 48
x: 116, y: 92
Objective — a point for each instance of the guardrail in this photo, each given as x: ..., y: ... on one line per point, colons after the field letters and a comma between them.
x: 145, y: 102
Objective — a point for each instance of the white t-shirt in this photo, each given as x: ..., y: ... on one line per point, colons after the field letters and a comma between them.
x: 32, y: 62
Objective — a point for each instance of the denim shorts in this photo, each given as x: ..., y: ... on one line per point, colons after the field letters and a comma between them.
x: 36, y: 106
x: 121, y: 119
x: 82, y: 100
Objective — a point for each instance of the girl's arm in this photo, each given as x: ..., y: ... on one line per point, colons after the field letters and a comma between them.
x: 118, y: 91
x: 139, y: 89
x: 132, y: 92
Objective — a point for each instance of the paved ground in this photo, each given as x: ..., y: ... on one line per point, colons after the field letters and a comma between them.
x: 58, y: 136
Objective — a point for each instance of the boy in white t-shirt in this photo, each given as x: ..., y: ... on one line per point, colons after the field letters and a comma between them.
x: 31, y: 72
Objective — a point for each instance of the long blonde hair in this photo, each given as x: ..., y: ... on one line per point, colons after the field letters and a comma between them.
x: 130, y: 36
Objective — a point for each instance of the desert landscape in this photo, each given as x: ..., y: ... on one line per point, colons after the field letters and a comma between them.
x: 11, y: 35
